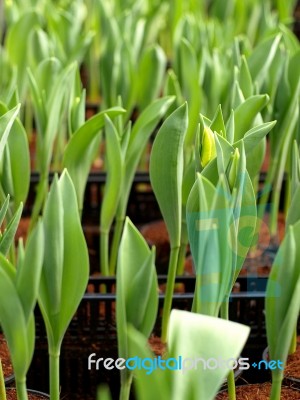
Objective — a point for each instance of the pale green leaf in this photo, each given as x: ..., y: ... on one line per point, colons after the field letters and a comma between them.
x: 166, y: 170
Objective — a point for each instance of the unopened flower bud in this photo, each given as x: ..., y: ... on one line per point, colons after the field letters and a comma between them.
x: 208, y: 147
x: 233, y: 168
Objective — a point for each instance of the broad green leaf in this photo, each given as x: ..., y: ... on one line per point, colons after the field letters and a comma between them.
x: 253, y: 136
x: 103, y: 393
x: 195, y: 336
x: 191, y: 90
x: 166, y: 170
x: 140, y: 134
x: 217, y: 123
x: 66, y: 253
x: 293, y: 75
x: 150, y: 75
x: 40, y: 48
x: 137, y: 298
x: 289, y: 37
x: 79, y: 152
x: 293, y: 213
x: 172, y: 88
x: 137, y: 283
x: 77, y: 106
x: 16, y: 159
x: 230, y: 128
x: 148, y: 386
x: 245, y: 79
x: 29, y: 271
x: 76, y: 262
x: 17, y: 35
x: 212, y: 240
x: 8, y: 235
x: 262, y: 57
x: 245, y: 113
x: 60, y: 90
x: 6, y: 123
x: 142, y: 299
x: 51, y: 278
x: 13, y: 323
x: 283, y: 296
x: 4, y: 209
x: 114, y: 175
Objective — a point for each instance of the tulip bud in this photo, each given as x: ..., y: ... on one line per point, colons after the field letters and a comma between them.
x: 233, y: 168
x: 208, y: 147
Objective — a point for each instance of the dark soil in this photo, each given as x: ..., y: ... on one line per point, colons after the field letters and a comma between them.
x: 260, y: 392
x: 5, y: 357
x: 156, y: 345
x: 292, y: 369
x: 156, y: 234
x: 12, y: 395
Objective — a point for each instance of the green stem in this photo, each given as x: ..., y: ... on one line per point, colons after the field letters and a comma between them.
x: 293, y: 345
x: 264, y: 197
x: 2, y: 383
x: 181, y: 258
x: 54, y: 376
x: 104, y: 248
x: 225, y: 310
x: 230, y: 376
x: 115, y: 244
x: 182, y: 250
x: 287, y: 197
x: 277, y: 189
x: 282, y: 150
x: 42, y: 189
x: 231, y: 386
x: 21, y: 389
x: 169, y: 291
x: 125, y: 388
x: 276, y: 389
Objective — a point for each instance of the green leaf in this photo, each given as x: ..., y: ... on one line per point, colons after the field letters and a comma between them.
x: 253, y: 136
x: 139, y: 137
x: 40, y: 48
x: 195, y: 336
x: 191, y: 337
x: 245, y: 113
x: 172, y: 88
x: 16, y: 159
x: 245, y: 79
x: 137, y: 289
x: 150, y: 75
x: 6, y: 123
x: 13, y: 323
x: 283, y: 296
x: 114, y: 177
x: 4, y: 209
x: 212, y: 240
x: 8, y: 235
x: 76, y: 260
x: 51, y: 279
x: 103, y: 393
x: 137, y: 282
x: 79, y: 152
x: 66, y: 265
x: 217, y: 123
x: 262, y: 57
x: 29, y: 272
x: 148, y: 386
x: 166, y: 170
x: 191, y: 90
x: 17, y: 35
